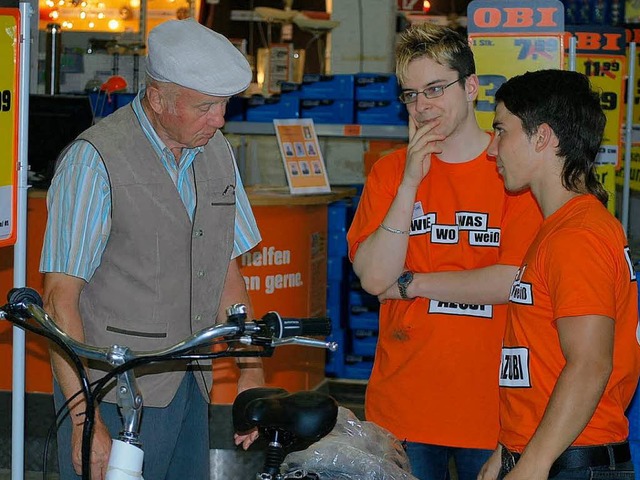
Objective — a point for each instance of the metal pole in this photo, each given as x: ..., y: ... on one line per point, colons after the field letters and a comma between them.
x: 53, y: 56
x: 143, y: 23
x: 573, y: 46
x: 628, y: 141
x: 20, y: 247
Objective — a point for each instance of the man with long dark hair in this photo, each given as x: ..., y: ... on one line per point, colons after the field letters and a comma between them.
x: 570, y: 357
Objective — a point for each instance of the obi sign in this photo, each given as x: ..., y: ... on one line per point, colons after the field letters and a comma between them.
x: 9, y: 68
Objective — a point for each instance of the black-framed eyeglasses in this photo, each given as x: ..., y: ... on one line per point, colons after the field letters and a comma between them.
x: 410, y: 96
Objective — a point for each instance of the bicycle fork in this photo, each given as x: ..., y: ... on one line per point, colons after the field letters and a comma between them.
x: 125, y: 461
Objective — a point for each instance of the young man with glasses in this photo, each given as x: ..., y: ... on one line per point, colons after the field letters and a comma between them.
x: 439, y: 241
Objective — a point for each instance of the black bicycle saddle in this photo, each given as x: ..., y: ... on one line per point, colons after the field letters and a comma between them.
x: 306, y: 416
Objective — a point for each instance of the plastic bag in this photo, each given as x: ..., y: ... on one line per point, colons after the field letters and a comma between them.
x: 354, y: 450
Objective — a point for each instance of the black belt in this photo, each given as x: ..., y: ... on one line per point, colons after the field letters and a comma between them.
x: 577, y: 457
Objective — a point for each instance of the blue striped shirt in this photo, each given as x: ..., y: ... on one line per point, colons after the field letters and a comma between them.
x: 79, y: 204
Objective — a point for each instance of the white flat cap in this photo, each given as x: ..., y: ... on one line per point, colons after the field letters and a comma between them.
x: 189, y: 54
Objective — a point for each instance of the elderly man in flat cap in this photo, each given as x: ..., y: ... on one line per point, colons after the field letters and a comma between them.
x: 147, y: 215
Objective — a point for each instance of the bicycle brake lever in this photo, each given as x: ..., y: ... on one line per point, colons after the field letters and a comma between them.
x: 307, y: 342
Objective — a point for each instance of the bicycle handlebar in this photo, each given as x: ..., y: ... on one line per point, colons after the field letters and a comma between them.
x: 270, y: 331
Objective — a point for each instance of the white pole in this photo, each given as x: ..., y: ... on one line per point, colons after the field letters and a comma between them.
x: 573, y: 46
x: 628, y: 140
x: 19, y: 255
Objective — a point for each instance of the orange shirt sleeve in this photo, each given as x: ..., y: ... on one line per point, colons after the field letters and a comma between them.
x: 379, y: 191
x: 520, y: 223
x: 581, y: 274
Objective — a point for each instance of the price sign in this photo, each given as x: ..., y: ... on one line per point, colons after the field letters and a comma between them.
x: 506, y: 56
x: 607, y: 78
x: 9, y: 68
x: 510, y: 37
x: 600, y: 55
x: 633, y: 35
x: 634, y: 174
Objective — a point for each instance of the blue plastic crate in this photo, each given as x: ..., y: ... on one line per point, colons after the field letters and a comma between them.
x: 265, y: 109
x: 123, y: 99
x: 290, y: 89
x: 358, y: 367
x: 327, y: 111
x: 236, y: 109
x: 335, y: 362
x: 361, y: 301
x: 363, y: 342
x: 336, y: 304
x: 337, y: 244
x: 376, y: 86
x: 321, y: 87
x: 634, y: 445
x: 102, y: 104
x: 633, y: 415
x: 364, y: 321
x: 335, y: 293
x: 336, y: 268
x: 337, y: 216
x: 381, y: 112
x: 335, y: 314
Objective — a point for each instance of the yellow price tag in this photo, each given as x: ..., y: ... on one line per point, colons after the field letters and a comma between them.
x: 607, y: 76
x: 499, y: 58
x: 634, y: 170
x: 9, y: 57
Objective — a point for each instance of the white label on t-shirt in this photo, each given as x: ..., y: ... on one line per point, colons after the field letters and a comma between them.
x: 451, y: 308
x: 627, y: 257
x: 521, y: 293
x: 422, y: 224
x: 444, y: 234
x: 417, y: 210
x: 514, y: 368
x: 472, y: 220
x: 490, y: 238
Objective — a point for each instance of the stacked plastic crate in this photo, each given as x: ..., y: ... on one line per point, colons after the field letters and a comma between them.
x: 363, y: 331
x: 633, y: 415
x: 337, y: 271
x: 354, y: 312
x: 376, y: 100
x: 327, y: 98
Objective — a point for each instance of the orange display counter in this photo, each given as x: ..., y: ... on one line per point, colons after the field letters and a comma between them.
x: 286, y: 272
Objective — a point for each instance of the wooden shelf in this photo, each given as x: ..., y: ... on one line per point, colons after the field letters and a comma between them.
x: 324, y: 130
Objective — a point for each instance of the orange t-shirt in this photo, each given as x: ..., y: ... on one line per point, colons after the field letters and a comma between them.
x: 433, y: 379
x: 577, y: 265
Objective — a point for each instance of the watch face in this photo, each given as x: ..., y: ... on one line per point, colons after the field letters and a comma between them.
x: 405, y: 278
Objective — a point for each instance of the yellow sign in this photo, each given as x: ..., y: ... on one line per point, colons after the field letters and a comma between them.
x: 634, y: 170
x: 633, y: 35
x: 9, y: 69
x: 636, y: 81
x: 501, y: 57
x: 607, y: 76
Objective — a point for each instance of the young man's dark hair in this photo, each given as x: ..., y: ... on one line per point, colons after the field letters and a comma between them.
x: 566, y: 102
